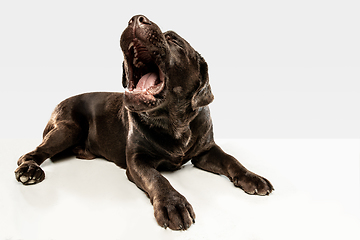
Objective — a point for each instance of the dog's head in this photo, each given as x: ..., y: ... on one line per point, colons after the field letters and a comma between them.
x: 160, y: 68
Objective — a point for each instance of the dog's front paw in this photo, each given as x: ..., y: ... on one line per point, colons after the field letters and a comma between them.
x: 173, y: 211
x: 253, y: 184
x: 29, y: 172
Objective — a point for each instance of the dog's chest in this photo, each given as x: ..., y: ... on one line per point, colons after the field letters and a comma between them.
x: 175, y: 150
x: 174, y: 157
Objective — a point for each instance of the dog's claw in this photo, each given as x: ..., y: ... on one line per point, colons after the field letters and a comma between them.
x: 253, y: 184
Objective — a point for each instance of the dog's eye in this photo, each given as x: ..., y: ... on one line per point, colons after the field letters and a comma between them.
x: 173, y: 40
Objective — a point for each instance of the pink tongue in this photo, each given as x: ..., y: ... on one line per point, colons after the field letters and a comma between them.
x: 146, y: 81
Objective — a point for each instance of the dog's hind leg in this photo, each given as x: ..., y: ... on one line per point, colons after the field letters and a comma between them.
x: 58, y: 137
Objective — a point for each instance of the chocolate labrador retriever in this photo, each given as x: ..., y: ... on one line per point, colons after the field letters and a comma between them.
x: 161, y: 122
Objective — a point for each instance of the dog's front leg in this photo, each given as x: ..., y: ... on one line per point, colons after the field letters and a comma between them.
x: 217, y: 161
x: 171, y: 209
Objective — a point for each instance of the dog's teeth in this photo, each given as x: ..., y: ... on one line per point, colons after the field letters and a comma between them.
x: 130, y: 45
x: 137, y: 63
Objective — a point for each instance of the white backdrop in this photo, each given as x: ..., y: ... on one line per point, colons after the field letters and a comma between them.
x: 278, y: 69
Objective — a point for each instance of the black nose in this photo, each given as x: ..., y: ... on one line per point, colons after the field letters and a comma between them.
x: 139, y: 20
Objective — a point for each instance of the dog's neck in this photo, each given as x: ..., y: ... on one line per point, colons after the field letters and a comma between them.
x: 175, y: 121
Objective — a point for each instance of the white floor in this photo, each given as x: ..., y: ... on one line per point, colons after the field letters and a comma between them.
x: 317, y: 196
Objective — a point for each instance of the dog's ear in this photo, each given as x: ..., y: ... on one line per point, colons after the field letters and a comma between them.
x: 203, y: 95
x: 124, y: 81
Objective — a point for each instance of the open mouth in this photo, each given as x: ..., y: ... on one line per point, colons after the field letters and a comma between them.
x: 145, y: 76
